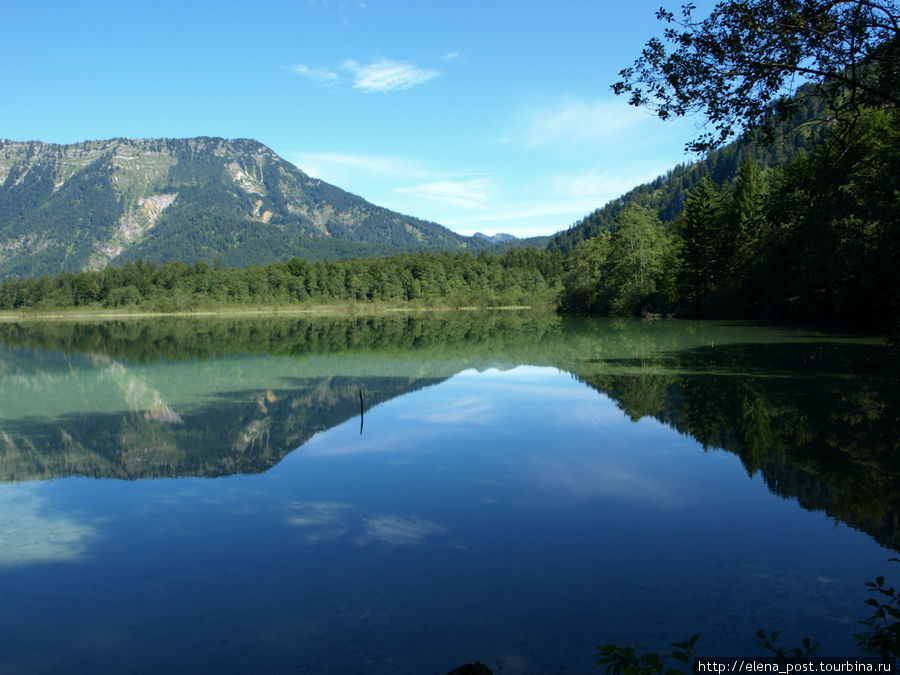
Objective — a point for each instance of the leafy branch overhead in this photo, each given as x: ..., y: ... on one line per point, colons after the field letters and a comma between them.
x: 743, y: 66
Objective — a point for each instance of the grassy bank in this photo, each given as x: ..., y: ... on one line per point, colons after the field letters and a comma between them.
x: 237, y: 311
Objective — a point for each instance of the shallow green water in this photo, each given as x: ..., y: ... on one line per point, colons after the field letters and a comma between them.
x: 206, y: 496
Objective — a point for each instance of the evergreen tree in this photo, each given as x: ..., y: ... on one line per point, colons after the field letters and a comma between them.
x: 746, y: 223
x: 700, y: 227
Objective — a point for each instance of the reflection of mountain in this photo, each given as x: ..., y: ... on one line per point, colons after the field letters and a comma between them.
x: 817, y: 417
x: 182, y: 398
x: 241, y: 432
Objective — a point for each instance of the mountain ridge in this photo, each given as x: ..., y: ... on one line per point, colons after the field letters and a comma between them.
x: 83, y: 206
x: 667, y: 193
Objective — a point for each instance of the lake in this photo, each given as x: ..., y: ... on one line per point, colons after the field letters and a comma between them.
x: 405, y: 494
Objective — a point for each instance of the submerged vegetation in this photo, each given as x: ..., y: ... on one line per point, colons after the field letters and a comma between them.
x: 881, y: 639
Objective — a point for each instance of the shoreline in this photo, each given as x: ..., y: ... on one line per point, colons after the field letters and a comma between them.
x: 106, y: 314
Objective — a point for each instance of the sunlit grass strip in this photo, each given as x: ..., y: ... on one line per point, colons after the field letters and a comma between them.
x: 105, y: 313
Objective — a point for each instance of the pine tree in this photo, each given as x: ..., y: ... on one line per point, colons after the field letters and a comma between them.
x: 747, y: 221
x: 700, y: 226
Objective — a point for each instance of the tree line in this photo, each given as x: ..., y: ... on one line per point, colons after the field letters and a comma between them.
x: 816, y: 237
x: 520, y: 276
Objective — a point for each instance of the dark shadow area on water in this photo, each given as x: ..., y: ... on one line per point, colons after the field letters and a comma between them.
x: 817, y: 420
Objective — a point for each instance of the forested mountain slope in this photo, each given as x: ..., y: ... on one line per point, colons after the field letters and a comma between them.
x: 667, y: 194
x: 87, y: 205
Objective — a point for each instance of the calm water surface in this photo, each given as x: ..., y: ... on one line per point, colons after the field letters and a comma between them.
x: 206, y: 497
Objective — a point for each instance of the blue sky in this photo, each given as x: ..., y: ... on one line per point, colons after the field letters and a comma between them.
x: 482, y: 116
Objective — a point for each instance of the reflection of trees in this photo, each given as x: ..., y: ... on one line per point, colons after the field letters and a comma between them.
x: 178, y: 339
x: 818, y: 421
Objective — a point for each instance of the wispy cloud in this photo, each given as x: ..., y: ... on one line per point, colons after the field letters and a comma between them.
x: 564, y: 196
x: 450, y: 56
x: 521, y: 210
x: 387, y: 75
x: 467, y: 194
x: 321, y: 520
x: 429, y: 183
x: 329, y: 521
x: 322, y: 76
x: 593, y: 475
x: 343, y: 8
x: 326, y: 165
x: 471, y: 410
x: 602, y: 184
x: 574, y: 122
x: 469, y: 203
x: 340, y: 5
x: 380, y: 76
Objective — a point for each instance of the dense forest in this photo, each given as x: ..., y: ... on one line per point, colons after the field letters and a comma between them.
x: 798, y: 218
x: 520, y: 276
x: 814, y: 238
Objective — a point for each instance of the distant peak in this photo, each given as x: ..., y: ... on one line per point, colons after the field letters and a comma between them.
x: 496, y: 238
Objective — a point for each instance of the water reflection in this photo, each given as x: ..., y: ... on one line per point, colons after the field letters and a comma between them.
x: 525, y: 488
x: 817, y: 419
x: 321, y: 521
x: 31, y: 531
x: 331, y: 521
x: 816, y: 416
x: 398, y: 530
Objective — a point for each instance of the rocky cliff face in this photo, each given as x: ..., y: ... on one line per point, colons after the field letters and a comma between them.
x: 87, y: 205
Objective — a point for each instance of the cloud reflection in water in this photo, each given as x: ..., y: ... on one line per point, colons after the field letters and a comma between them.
x: 398, y: 530
x: 30, y: 535
x: 322, y: 520
x: 333, y: 520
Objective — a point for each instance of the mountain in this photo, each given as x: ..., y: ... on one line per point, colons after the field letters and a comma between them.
x: 88, y: 205
x: 502, y: 242
x: 496, y: 238
x: 667, y: 193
